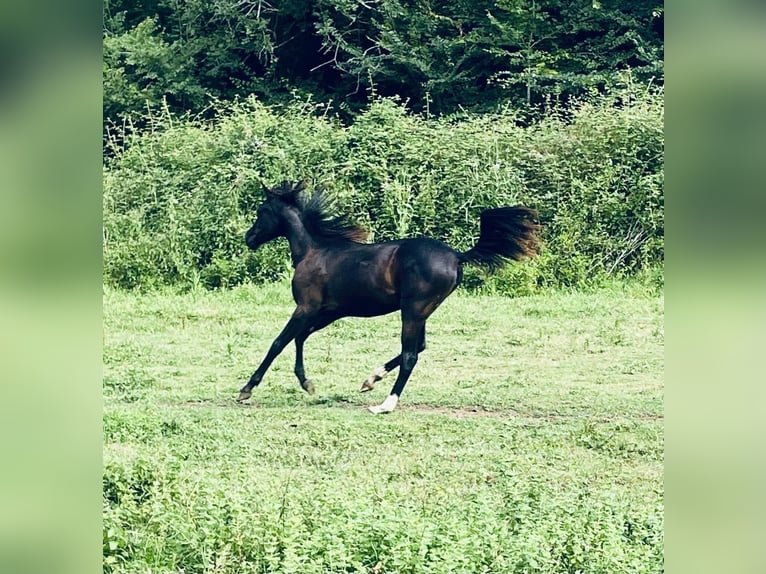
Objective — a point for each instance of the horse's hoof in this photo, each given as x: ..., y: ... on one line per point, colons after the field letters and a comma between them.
x: 386, y: 406
x: 376, y: 376
x: 308, y: 386
x: 243, y: 396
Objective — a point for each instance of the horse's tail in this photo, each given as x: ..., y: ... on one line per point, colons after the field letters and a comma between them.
x: 505, y: 233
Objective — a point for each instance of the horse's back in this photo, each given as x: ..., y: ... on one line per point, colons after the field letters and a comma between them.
x: 427, y: 268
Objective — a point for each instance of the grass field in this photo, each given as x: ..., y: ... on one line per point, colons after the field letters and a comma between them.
x: 529, y: 438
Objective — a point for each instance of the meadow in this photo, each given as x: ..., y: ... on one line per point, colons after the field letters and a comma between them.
x: 529, y: 438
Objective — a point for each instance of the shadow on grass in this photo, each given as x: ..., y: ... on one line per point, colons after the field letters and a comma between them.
x: 265, y: 401
x: 334, y: 400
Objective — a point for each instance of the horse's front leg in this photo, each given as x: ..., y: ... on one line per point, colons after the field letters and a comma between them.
x: 300, y: 372
x: 319, y: 322
x: 297, y: 323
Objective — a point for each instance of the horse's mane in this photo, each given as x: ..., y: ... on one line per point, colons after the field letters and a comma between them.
x: 315, y: 215
x: 321, y: 225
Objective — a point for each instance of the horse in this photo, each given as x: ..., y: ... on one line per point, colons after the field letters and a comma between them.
x: 337, y: 274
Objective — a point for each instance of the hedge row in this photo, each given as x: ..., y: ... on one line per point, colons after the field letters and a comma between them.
x: 179, y: 196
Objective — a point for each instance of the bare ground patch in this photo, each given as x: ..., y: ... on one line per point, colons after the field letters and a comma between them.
x: 465, y: 412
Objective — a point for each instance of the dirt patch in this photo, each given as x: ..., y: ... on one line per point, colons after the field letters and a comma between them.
x: 461, y: 412
x: 343, y: 403
x: 426, y: 409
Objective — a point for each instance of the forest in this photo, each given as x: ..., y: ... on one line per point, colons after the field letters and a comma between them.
x: 440, y: 56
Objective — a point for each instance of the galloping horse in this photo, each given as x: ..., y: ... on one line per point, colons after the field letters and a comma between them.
x: 338, y: 275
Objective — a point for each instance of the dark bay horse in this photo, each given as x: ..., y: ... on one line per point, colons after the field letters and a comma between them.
x: 338, y: 275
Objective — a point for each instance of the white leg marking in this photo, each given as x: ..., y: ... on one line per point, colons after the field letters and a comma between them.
x: 386, y: 406
x: 378, y: 374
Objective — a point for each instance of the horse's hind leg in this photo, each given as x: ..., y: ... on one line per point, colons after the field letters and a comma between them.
x: 381, y: 372
x: 412, y: 330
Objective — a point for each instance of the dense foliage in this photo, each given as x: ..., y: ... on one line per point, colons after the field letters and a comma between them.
x: 413, y: 115
x: 179, y: 197
x: 441, y: 55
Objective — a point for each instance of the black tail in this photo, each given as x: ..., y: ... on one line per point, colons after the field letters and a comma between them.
x: 505, y: 233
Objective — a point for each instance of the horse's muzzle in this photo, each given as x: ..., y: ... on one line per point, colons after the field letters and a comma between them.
x: 251, y: 240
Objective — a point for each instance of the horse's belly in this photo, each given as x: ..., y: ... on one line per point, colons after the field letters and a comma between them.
x: 366, y: 306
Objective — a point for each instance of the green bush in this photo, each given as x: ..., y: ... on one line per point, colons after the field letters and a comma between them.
x: 179, y: 196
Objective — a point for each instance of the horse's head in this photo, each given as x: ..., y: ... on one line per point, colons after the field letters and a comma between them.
x: 270, y: 215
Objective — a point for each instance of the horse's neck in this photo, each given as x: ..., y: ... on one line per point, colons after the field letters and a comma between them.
x: 299, y: 239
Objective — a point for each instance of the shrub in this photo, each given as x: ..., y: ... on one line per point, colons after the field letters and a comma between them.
x: 179, y: 196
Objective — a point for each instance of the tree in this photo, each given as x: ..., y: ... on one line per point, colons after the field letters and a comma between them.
x: 440, y: 55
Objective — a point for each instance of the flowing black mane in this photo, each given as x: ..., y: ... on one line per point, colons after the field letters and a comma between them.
x: 316, y: 217
x: 323, y: 226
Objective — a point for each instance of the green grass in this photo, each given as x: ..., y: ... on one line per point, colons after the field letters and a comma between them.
x: 529, y: 438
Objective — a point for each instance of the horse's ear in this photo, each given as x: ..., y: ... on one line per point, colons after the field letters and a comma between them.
x: 291, y: 191
x: 267, y: 191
